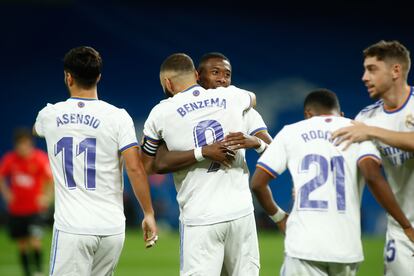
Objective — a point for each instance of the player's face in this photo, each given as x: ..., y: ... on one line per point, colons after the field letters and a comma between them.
x: 216, y: 72
x: 24, y: 147
x: 377, y: 77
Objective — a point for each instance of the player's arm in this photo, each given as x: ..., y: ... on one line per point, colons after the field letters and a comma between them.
x: 161, y: 160
x: 170, y: 161
x: 239, y: 140
x: 5, y: 190
x: 382, y: 192
x: 47, y: 195
x: 260, y: 187
x: 5, y: 172
x: 359, y: 132
x: 139, y: 182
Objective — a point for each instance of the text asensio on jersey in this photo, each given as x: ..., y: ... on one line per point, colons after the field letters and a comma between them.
x: 188, y: 107
x: 74, y: 118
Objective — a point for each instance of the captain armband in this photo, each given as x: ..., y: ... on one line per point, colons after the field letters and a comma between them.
x: 149, y: 146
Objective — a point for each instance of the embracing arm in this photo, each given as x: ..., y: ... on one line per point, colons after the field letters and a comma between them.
x: 401, y: 140
x: 382, y: 192
x: 359, y: 132
x: 166, y: 161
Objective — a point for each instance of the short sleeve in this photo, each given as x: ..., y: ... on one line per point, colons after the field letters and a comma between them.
x: 152, y: 132
x: 274, y: 159
x: 40, y: 121
x: 254, y: 122
x: 367, y: 149
x: 126, y: 136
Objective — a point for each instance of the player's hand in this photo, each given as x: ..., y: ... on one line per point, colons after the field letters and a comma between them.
x: 358, y: 132
x: 219, y: 153
x: 282, y: 224
x: 149, y: 227
x: 239, y: 140
x: 43, y: 201
x: 409, y: 232
x: 8, y: 197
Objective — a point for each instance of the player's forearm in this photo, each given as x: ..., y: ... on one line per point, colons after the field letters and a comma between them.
x: 138, y: 178
x: 49, y: 191
x: 265, y: 198
x: 4, y: 190
x: 172, y: 161
x: 141, y: 190
x: 401, y: 140
x: 264, y: 135
x: 385, y: 197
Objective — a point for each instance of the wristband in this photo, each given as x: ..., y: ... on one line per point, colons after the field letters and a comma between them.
x: 262, y: 147
x: 280, y: 214
x: 198, y: 154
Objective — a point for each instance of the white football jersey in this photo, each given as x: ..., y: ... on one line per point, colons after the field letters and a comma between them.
x: 398, y: 164
x: 254, y: 122
x: 207, y: 192
x: 324, y: 224
x: 85, y: 138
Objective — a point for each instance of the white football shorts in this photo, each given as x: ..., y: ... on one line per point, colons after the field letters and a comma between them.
x: 226, y: 248
x: 84, y: 255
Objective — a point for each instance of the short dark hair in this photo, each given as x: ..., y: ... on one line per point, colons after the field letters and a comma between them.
x: 178, y: 62
x: 206, y: 57
x: 84, y: 64
x: 22, y: 133
x: 386, y: 50
x: 322, y: 98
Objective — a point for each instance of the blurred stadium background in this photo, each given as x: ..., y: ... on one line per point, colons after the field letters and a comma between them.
x: 280, y: 52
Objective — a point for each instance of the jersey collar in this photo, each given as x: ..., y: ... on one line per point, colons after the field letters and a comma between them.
x: 83, y: 99
x: 190, y: 88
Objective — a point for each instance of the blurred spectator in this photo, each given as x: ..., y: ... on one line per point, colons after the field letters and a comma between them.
x: 27, y: 189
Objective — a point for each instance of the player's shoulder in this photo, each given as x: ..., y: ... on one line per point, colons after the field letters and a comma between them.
x: 233, y: 90
x: 111, y: 109
x: 108, y: 106
x: 9, y: 156
x: 371, y: 109
x: 51, y: 107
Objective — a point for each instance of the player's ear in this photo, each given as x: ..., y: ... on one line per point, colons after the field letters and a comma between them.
x: 307, y: 113
x: 168, y: 85
x: 68, y: 79
x: 396, y: 71
x: 197, y: 77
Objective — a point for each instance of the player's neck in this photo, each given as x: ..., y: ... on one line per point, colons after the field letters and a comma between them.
x: 396, y: 96
x: 185, y: 86
x: 84, y: 93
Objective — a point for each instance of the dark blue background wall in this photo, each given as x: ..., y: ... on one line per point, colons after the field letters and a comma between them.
x: 280, y: 52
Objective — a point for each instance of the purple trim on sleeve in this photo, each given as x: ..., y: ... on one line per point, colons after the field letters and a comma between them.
x: 129, y: 146
x: 267, y: 168
x: 258, y: 130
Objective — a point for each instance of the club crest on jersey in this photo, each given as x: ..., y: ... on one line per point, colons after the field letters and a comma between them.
x: 81, y: 104
x: 409, y: 121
